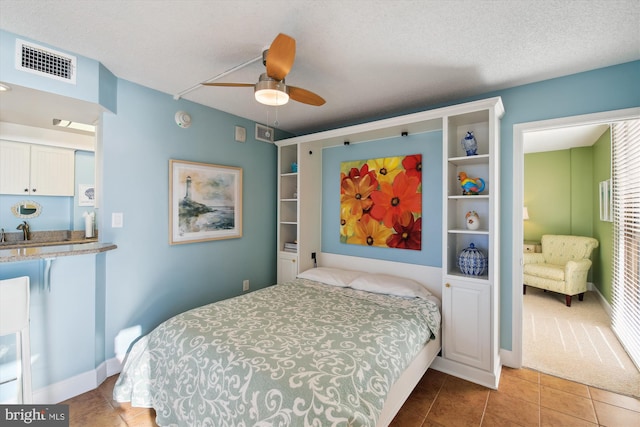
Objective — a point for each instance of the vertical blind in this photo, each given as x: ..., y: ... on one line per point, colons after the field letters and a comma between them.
x: 625, y: 307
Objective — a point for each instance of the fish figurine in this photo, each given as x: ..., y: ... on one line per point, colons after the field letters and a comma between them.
x: 470, y: 185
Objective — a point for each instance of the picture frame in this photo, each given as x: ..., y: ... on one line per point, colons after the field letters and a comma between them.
x: 605, y: 201
x: 381, y: 202
x: 205, y: 202
x: 86, y: 195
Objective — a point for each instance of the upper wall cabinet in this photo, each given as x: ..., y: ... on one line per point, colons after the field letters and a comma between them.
x: 37, y: 170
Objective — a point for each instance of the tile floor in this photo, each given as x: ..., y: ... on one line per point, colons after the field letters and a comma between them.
x: 524, y: 398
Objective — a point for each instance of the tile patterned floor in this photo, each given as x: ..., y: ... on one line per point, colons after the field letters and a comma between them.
x: 524, y: 398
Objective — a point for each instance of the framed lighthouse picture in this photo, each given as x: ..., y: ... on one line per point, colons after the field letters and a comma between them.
x: 205, y: 202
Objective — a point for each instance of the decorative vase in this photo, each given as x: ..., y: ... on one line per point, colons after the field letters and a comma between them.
x: 472, y: 220
x: 470, y: 144
x: 472, y: 261
x: 294, y: 167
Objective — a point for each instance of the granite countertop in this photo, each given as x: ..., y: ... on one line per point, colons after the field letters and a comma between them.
x: 49, y: 244
x: 53, y: 251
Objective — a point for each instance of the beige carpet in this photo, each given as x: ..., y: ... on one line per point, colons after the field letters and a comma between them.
x: 575, y: 342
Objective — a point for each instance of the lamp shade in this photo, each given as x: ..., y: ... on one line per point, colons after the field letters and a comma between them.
x: 525, y: 213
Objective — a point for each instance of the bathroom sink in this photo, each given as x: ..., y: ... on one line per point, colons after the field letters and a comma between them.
x: 30, y: 243
x: 49, y: 238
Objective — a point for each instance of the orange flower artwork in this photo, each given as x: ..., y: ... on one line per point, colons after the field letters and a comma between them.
x: 381, y: 202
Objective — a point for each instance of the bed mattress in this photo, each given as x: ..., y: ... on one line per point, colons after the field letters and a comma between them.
x: 300, y: 353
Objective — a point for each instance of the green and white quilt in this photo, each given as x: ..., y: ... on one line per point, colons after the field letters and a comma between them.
x: 295, y: 354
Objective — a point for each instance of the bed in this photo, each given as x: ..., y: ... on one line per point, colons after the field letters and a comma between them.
x: 333, y: 347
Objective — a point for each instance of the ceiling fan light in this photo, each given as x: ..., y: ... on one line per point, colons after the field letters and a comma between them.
x: 272, y: 97
x: 271, y: 92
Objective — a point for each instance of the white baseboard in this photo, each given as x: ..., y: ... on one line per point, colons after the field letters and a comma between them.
x: 603, y: 302
x: 507, y: 357
x: 478, y: 376
x: 74, y: 386
x: 114, y: 366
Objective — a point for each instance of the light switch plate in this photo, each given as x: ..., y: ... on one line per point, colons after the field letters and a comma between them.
x: 117, y: 219
x: 241, y: 134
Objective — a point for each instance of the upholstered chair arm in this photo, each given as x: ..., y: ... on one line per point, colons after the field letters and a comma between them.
x: 575, y: 275
x: 533, y: 258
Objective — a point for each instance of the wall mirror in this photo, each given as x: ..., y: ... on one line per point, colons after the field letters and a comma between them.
x: 27, y: 114
x: 26, y: 209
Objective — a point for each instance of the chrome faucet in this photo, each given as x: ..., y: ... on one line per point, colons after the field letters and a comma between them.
x: 25, y: 230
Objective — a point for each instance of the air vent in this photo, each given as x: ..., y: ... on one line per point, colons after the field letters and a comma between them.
x: 45, y: 62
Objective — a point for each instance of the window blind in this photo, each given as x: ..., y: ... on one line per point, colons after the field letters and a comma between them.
x: 625, y: 307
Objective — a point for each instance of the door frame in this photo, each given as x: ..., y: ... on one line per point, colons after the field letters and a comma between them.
x: 519, y: 131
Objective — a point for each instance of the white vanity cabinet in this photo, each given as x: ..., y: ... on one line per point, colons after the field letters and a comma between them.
x: 37, y: 170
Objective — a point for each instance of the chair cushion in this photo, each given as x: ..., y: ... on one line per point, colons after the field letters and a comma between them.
x: 545, y: 271
x: 559, y: 249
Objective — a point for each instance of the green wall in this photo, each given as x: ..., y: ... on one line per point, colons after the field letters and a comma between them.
x: 602, y: 230
x: 547, y: 189
x: 561, y: 194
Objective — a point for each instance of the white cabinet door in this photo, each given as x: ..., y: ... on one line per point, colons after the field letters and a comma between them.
x: 37, y: 170
x: 467, y: 323
x: 14, y: 168
x: 287, y: 266
x: 52, y: 171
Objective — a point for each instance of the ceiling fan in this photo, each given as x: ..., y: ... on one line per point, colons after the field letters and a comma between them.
x: 271, y: 88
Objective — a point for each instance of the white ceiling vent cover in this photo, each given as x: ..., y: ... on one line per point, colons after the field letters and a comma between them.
x: 45, y: 62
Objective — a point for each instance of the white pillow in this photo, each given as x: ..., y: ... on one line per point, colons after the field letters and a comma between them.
x: 330, y: 276
x: 391, y: 285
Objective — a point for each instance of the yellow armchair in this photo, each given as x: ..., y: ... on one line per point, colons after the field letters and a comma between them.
x: 562, y: 266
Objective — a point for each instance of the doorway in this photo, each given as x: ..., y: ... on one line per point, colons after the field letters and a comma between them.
x: 519, y: 134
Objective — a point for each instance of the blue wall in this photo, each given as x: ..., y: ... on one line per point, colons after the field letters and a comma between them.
x: 430, y: 146
x: 605, y: 89
x: 146, y: 280
x: 90, y: 74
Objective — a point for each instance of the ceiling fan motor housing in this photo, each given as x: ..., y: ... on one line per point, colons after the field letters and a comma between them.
x: 270, y: 91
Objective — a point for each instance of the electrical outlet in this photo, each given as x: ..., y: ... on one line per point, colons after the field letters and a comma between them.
x: 245, y: 285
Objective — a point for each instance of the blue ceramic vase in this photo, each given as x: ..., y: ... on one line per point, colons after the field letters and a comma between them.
x: 472, y: 261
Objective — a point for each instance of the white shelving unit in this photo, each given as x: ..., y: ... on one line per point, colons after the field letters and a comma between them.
x: 288, y: 212
x: 469, y: 304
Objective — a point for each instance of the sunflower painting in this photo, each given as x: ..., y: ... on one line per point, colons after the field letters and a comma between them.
x: 381, y: 202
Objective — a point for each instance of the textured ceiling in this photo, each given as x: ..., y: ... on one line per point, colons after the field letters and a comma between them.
x: 366, y: 58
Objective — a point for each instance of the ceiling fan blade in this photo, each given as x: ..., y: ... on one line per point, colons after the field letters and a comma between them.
x: 230, y: 84
x: 305, y: 96
x: 280, y: 56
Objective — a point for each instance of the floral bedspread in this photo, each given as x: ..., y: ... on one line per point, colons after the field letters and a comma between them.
x: 294, y: 354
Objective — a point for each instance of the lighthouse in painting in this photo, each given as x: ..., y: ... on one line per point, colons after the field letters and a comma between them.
x: 187, y: 196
